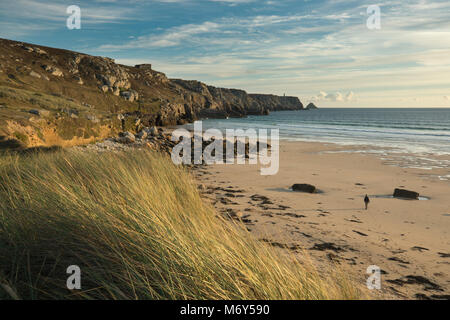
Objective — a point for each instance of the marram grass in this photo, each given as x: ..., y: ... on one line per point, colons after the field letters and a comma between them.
x: 138, y: 229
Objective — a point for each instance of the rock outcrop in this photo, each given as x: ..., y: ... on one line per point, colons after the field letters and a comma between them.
x: 303, y: 187
x: 406, y: 194
x: 54, y: 71
x: 311, y: 106
x: 126, y: 137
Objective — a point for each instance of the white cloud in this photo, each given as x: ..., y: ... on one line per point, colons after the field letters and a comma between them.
x: 225, y: 31
x: 54, y: 11
x: 334, y: 97
x: 172, y: 37
x: 349, y: 96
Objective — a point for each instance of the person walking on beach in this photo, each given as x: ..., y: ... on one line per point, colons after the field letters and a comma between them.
x: 366, y: 201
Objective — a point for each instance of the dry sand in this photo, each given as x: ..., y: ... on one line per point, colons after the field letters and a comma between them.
x: 408, y: 239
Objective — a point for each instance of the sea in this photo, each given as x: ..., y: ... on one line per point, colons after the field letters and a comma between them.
x: 420, y: 138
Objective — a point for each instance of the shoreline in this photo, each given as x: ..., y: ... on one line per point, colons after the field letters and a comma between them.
x: 408, y: 240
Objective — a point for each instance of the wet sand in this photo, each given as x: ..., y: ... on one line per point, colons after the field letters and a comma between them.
x: 408, y: 239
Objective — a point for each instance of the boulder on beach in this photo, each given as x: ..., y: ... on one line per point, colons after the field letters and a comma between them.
x: 303, y: 187
x: 407, y: 194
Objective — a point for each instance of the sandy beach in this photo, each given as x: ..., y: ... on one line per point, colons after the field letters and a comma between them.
x: 408, y: 239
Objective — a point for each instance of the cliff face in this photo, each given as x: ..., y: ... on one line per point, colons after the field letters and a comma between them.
x: 221, y: 102
x: 277, y: 103
x: 53, y: 96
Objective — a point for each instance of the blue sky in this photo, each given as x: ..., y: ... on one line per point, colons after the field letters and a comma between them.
x: 319, y: 50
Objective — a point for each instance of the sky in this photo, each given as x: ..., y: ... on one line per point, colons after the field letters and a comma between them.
x: 319, y: 50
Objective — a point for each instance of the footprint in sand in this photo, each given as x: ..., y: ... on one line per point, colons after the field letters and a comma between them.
x: 396, y: 259
x: 360, y: 233
x: 353, y: 220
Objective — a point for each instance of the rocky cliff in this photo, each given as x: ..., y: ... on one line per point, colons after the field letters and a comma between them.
x: 54, y: 96
x: 277, y: 103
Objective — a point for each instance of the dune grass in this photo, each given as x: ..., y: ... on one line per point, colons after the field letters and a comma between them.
x: 138, y: 229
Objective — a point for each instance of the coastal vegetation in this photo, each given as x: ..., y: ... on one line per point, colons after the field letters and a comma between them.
x: 137, y: 227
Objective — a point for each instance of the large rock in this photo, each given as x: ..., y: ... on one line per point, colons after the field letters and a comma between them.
x: 406, y: 194
x: 54, y: 71
x: 153, y: 131
x: 130, y: 95
x: 110, y: 74
x: 143, y: 134
x: 33, y: 49
x: 35, y: 74
x: 303, y: 187
x: 78, y: 80
x: 39, y: 51
x: 311, y: 106
x: 126, y: 137
x: 116, y: 91
x: 40, y: 113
